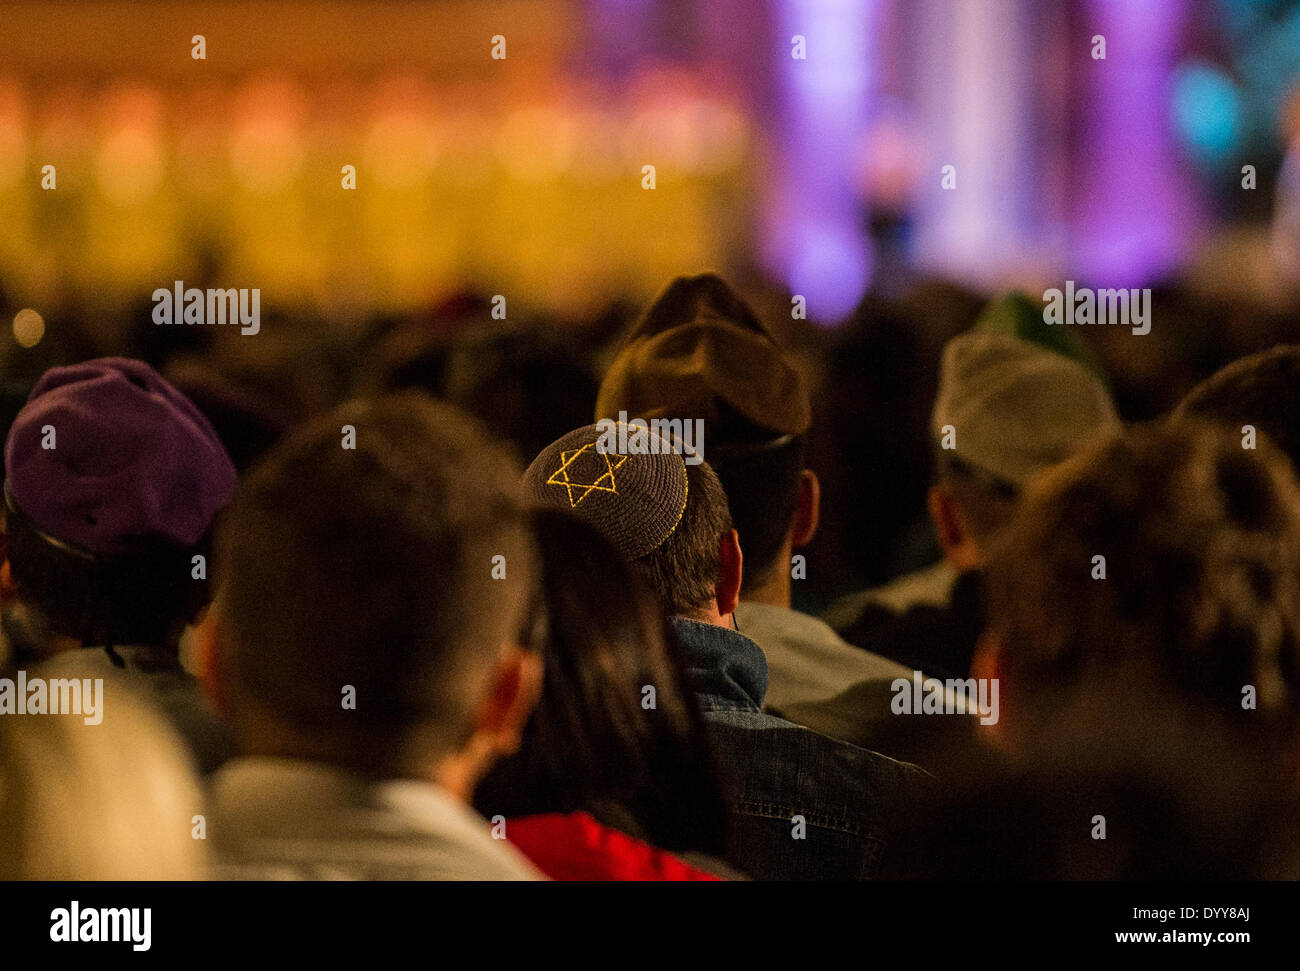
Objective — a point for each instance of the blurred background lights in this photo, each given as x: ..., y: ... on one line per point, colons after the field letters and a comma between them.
x: 267, y: 148
x: 129, y: 165
x: 13, y: 147
x: 1207, y: 111
x: 29, y: 327
x: 266, y: 155
x: 536, y: 143
x: 400, y: 150
x: 817, y: 241
x: 821, y: 172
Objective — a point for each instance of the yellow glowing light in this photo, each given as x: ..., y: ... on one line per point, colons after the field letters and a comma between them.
x: 401, y: 150
x: 536, y: 144
x: 13, y: 145
x: 13, y: 154
x: 29, y: 327
x: 266, y: 155
x: 130, y: 165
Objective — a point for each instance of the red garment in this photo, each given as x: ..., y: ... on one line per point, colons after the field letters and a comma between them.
x: 576, y: 847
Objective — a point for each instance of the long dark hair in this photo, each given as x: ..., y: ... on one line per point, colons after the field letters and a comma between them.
x: 617, y: 733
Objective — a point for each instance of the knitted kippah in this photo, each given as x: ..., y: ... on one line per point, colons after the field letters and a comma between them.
x: 635, y: 496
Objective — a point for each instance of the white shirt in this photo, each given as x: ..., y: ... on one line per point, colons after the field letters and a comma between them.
x: 274, y: 818
x: 806, y: 659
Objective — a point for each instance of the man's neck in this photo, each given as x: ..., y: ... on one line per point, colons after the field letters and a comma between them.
x: 61, y: 644
x: 263, y: 735
x: 775, y: 592
x: 710, y: 615
x: 775, y: 588
x: 299, y: 749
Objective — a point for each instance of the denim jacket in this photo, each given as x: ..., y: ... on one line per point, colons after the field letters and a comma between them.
x: 803, y: 806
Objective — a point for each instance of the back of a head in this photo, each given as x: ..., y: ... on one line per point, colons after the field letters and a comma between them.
x: 700, y: 352
x: 246, y: 422
x: 113, y: 481
x: 522, y: 383
x: 109, y: 801
x: 684, y: 570
x: 664, y: 515
x: 617, y: 733
x: 1161, y: 568
x: 1006, y: 409
x: 1262, y: 391
x: 760, y: 476
x: 361, y: 554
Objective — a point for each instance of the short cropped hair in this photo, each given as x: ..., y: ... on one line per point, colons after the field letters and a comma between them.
x: 145, y: 597
x: 1261, y: 390
x: 374, y: 568
x: 986, y: 502
x: 1201, y: 589
x: 762, y: 486
x: 685, y: 568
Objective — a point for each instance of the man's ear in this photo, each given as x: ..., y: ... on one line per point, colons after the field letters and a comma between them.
x: 989, y: 663
x: 516, y: 689
x: 209, y: 643
x: 988, y: 660
x: 954, y: 535
x: 8, y: 589
x: 808, y: 512
x: 727, y: 592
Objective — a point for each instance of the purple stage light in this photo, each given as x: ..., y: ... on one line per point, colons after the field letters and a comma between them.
x: 1136, y: 213
x: 816, y: 238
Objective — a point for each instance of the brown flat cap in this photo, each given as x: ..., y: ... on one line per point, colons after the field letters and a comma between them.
x: 700, y: 352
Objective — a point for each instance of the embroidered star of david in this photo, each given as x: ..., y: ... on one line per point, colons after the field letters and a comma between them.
x: 603, y: 483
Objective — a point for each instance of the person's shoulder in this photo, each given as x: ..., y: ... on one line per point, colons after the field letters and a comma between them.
x: 815, y: 641
x: 814, y: 752
x: 299, y: 819
x: 849, y: 753
x: 929, y: 586
x: 692, y: 633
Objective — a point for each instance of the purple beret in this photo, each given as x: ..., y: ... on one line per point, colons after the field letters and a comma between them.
x: 133, y: 458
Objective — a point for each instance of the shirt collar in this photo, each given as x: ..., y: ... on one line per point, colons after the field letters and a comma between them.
x: 727, y: 670
x: 281, y: 797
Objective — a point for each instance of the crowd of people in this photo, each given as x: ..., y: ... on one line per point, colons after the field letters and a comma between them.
x: 417, y: 619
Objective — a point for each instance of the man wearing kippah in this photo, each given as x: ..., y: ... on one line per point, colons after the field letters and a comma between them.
x: 700, y: 352
x: 803, y: 806
x: 112, y: 482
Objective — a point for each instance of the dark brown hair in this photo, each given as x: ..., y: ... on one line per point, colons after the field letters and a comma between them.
x: 617, y: 733
x: 762, y: 486
x: 373, y: 568
x: 684, y: 569
x: 1262, y: 390
x: 1201, y: 596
